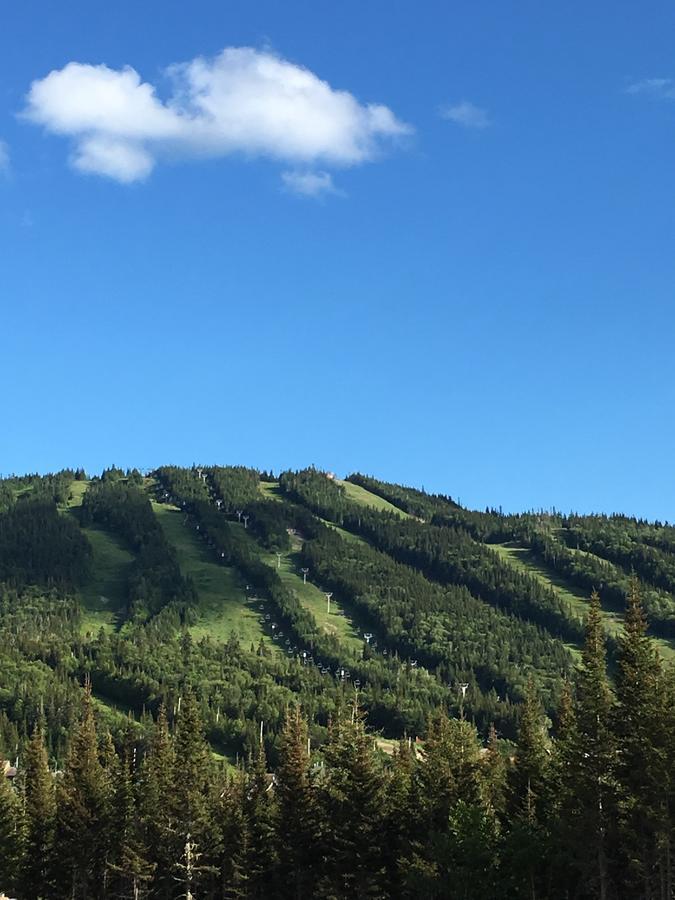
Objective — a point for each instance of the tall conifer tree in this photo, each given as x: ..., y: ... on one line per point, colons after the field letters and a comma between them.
x: 297, y: 818
x: 131, y: 871
x: 37, y: 871
x: 528, y: 844
x: 642, y: 755
x: 192, y: 784
x: 259, y: 807
x: 353, y: 809
x: 84, y: 811
x: 10, y: 835
x: 586, y: 762
x: 157, y: 805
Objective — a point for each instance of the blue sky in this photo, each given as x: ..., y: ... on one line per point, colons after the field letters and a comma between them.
x: 457, y: 274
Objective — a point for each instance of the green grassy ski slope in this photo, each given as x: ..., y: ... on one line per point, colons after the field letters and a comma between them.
x: 222, y: 593
x: 522, y: 558
x: 360, y: 495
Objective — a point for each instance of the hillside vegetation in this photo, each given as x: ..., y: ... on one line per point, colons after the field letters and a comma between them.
x: 223, y: 617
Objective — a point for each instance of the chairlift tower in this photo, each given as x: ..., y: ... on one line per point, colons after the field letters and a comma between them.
x: 462, y: 688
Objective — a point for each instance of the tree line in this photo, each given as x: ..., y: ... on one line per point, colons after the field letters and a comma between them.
x: 586, y: 812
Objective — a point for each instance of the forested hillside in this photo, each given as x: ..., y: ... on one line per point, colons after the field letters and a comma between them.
x: 217, y: 682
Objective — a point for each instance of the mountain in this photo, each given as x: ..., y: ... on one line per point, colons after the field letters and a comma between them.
x: 141, y: 581
x: 214, y: 678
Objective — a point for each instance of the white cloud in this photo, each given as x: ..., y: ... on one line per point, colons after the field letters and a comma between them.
x: 661, y: 88
x: 119, y: 159
x: 242, y: 101
x: 4, y: 157
x: 466, y: 114
x: 309, y: 184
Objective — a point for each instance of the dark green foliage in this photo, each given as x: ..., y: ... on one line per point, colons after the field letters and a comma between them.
x: 119, y: 795
x: 155, y: 582
x: 585, y: 770
x: 592, y: 552
x: 642, y: 754
x: 38, y: 869
x: 417, y: 503
x: 84, y: 817
x: 298, y: 819
x: 130, y: 870
x: 396, y: 699
x: 38, y: 545
x: 443, y: 554
x: 11, y: 834
x: 236, y: 486
x: 352, y: 797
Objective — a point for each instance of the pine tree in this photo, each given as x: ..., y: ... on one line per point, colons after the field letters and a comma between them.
x: 297, y: 826
x: 563, y: 777
x: 40, y: 804
x: 260, y: 813
x: 456, y: 854
x: 232, y: 861
x: 130, y: 870
x: 84, y: 812
x: 583, y: 776
x: 401, y: 824
x: 196, y: 831
x: 642, y: 763
x: 436, y: 778
x: 157, y: 806
x: 668, y: 885
x: 528, y: 843
x: 11, y: 844
x: 494, y: 777
x: 353, y: 811
x: 593, y: 760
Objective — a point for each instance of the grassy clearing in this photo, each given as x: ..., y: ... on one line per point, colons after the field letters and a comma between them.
x: 358, y: 494
x: 270, y: 490
x: 222, y: 594
x: 347, y: 535
x: 313, y: 599
x: 106, y: 590
x: 77, y: 492
x: 522, y: 558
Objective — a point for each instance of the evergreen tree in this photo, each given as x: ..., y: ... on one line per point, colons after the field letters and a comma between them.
x: 353, y: 811
x: 234, y: 839
x: 456, y: 856
x: 11, y: 844
x: 297, y: 815
x: 192, y: 783
x: 37, y: 871
x: 260, y: 813
x: 494, y: 777
x: 131, y: 871
x: 565, y: 806
x: 642, y: 764
x: 158, y: 808
x: 588, y: 781
x: 401, y: 823
x: 528, y: 844
x: 84, y: 812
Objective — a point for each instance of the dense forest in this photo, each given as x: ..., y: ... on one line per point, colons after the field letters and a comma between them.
x: 217, y: 682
